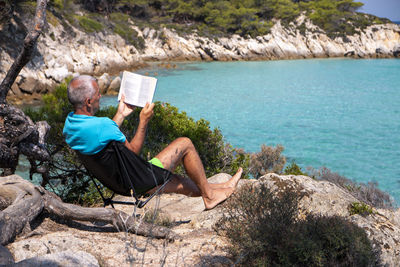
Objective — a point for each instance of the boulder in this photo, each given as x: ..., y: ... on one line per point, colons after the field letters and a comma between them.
x: 114, y: 86
x: 199, y: 244
x: 61, y: 259
x: 28, y: 84
x: 104, y: 82
x: 57, y: 74
x: 83, y: 64
x: 15, y: 89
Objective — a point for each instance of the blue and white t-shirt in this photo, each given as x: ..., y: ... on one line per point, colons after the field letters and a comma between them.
x: 90, y: 134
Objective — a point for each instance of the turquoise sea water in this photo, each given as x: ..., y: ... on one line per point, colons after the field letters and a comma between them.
x: 340, y: 113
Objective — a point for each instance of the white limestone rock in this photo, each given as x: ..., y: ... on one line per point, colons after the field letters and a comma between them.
x: 104, y: 82
x: 28, y: 84
x: 61, y: 259
x: 114, y: 86
x: 57, y: 74
x: 195, y: 226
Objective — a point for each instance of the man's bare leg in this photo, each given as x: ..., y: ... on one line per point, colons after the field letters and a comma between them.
x: 182, y: 150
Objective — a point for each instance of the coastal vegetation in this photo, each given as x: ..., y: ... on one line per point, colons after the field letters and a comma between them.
x: 271, y: 232
x: 208, y: 18
x: 368, y: 194
x: 293, y: 169
x: 269, y: 159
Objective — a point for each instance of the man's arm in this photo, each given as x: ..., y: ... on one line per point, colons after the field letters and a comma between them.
x: 137, y: 141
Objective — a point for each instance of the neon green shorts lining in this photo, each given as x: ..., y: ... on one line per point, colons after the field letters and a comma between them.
x: 157, y: 162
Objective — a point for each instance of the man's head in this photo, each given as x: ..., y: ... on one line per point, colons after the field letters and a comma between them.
x: 83, y: 93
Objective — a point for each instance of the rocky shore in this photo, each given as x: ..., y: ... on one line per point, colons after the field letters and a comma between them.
x: 63, y: 51
x: 85, y: 244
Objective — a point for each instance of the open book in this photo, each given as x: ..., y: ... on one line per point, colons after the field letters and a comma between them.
x: 138, y: 89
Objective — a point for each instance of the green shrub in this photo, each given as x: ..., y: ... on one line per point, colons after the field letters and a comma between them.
x: 122, y: 27
x: 294, y: 169
x: 57, y: 3
x: 360, y: 208
x: 269, y: 159
x: 28, y: 7
x: 70, y: 180
x: 89, y: 25
x: 264, y: 230
x: 336, y: 18
x: 51, y: 19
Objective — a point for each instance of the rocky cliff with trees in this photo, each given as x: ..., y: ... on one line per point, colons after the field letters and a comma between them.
x: 104, y: 37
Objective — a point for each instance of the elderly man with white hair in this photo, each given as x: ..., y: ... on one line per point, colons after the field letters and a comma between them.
x: 90, y: 135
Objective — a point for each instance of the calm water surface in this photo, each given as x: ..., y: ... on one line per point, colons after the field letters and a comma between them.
x: 340, y: 113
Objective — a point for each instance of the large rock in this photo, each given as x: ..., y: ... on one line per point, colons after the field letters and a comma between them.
x: 61, y: 259
x: 199, y: 243
x: 114, y: 86
x: 28, y: 84
x: 104, y: 82
x: 58, y: 74
x: 15, y: 89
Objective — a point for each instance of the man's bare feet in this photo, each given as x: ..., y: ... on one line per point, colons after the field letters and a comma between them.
x: 218, y: 195
x: 235, y: 179
x: 231, y: 182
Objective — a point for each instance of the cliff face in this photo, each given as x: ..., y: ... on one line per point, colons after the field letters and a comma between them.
x: 64, y: 50
x: 281, y: 43
x: 199, y: 244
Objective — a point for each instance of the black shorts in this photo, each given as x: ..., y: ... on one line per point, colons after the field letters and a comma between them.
x: 109, y: 166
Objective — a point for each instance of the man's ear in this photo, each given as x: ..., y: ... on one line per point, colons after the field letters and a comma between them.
x: 88, y: 101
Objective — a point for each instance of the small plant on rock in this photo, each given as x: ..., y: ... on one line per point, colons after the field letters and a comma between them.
x: 360, y: 208
x: 294, y: 169
x: 89, y: 25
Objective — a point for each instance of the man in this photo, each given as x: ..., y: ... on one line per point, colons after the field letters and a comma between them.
x: 89, y: 135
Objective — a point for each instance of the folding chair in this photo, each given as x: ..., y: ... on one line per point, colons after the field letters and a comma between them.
x: 109, y: 166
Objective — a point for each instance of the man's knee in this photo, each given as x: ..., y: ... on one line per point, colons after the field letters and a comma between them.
x: 185, y: 141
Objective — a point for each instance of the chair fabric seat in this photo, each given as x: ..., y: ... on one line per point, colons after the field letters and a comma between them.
x: 110, y: 164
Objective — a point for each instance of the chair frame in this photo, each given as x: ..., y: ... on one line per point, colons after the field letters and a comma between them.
x: 139, y: 203
x: 109, y: 200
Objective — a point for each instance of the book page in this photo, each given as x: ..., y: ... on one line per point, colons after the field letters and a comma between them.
x: 138, y: 89
x: 147, y: 90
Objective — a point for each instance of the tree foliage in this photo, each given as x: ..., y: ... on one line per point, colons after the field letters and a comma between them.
x: 215, y: 18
